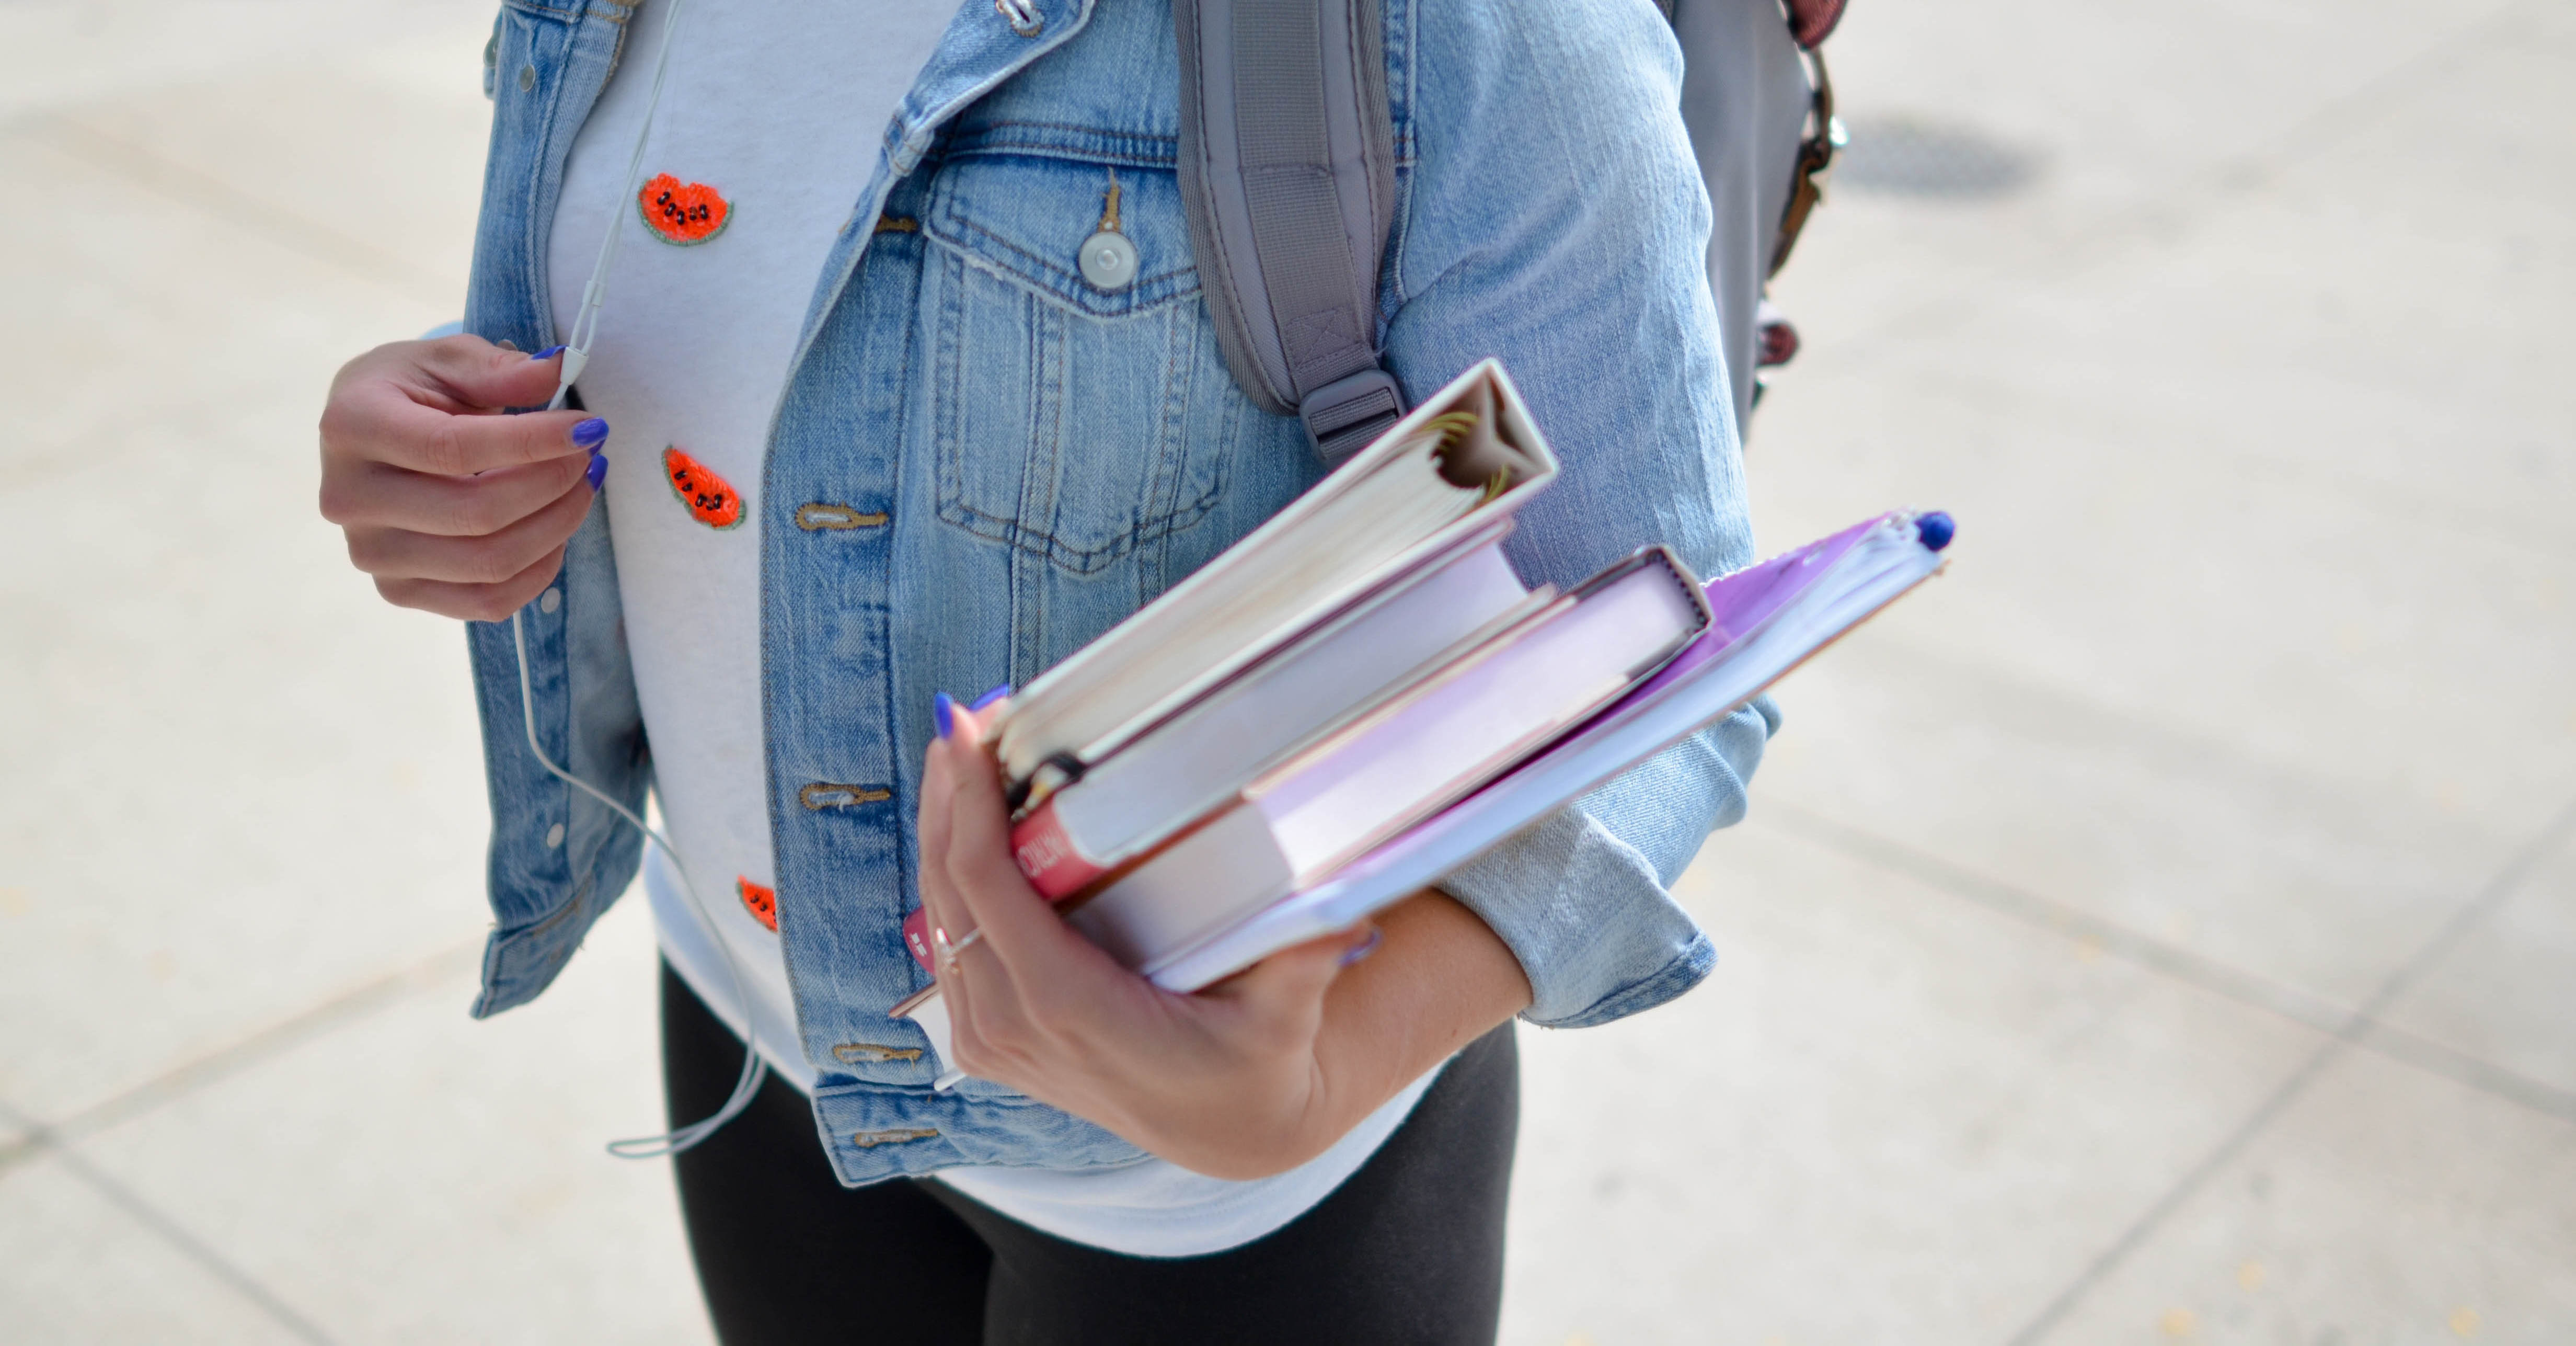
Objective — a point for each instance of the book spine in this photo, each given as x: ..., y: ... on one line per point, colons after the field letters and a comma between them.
x: 1047, y: 854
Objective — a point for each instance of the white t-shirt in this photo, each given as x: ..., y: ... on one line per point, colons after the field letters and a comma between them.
x: 771, y: 115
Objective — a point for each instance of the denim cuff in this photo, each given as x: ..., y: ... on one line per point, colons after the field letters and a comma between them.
x: 1594, y: 929
x: 1583, y: 897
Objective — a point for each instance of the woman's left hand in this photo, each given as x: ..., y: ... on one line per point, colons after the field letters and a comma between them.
x: 1230, y: 1081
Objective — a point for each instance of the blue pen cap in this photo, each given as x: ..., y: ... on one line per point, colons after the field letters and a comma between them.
x: 1934, y: 529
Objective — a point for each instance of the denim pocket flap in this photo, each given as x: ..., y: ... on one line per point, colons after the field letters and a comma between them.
x: 1026, y: 219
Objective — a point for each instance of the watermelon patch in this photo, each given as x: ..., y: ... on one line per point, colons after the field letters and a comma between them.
x: 683, y: 213
x: 761, y: 902
x: 710, y: 499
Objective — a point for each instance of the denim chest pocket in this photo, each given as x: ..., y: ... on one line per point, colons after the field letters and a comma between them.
x: 1077, y: 412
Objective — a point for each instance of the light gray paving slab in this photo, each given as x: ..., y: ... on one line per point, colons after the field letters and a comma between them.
x: 1899, y: 752
x: 2385, y: 1206
x: 2226, y: 78
x: 2542, y: 25
x: 54, y: 52
x: 2506, y: 994
x: 2254, y: 630
x: 418, y: 1176
x: 375, y: 162
x: 2127, y: 540
x: 2134, y: 116
x: 1888, y: 1116
x: 77, y: 1267
x: 253, y: 787
x: 178, y: 299
x: 2360, y: 335
x: 2328, y: 321
x: 2358, y: 299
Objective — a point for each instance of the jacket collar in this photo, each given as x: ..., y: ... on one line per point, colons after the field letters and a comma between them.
x: 984, y: 45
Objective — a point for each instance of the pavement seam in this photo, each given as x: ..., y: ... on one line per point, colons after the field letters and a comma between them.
x: 191, y: 1247
x: 2360, y: 1026
x: 2470, y: 913
x: 260, y: 1045
x: 168, y: 1230
x: 56, y: 1140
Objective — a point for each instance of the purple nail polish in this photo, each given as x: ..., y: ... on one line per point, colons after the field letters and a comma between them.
x: 590, y: 434
x: 597, y: 473
x: 990, y: 697
x: 943, y: 713
x: 548, y: 353
x: 1376, y: 937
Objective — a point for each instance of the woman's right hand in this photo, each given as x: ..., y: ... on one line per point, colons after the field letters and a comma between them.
x: 453, y: 506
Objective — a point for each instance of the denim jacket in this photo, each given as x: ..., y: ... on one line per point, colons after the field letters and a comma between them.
x: 980, y: 462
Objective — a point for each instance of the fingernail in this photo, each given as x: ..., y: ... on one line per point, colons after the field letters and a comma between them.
x: 597, y: 472
x: 548, y: 353
x: 990, y: 697
x: 943, y: 712
x: 1376, y: 937
x: 590, y: 434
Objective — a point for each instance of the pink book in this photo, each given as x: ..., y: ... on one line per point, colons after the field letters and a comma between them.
x: 1426, y: 749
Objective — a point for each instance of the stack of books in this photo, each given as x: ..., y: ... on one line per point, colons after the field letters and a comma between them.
x: 1362, y: 695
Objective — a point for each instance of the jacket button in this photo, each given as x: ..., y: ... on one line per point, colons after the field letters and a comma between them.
x: 554, y: 836
x: 527, y: 78
x: 552, y: 600
x: 1108, y: 260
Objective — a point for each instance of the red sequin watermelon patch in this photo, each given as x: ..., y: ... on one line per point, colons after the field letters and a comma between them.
x: 684, y: 213
x: 710, y: 499
x: 761, y: 902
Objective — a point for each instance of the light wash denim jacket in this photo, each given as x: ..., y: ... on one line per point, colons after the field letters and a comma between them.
x: 980, y: 462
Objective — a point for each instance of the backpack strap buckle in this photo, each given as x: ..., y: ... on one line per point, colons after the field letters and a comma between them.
x: 1348, y: 414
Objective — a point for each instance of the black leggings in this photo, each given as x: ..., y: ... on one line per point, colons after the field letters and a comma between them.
x: 1408, y: 1249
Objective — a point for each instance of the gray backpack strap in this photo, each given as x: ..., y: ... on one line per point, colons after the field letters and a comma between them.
x: 1288, y: 169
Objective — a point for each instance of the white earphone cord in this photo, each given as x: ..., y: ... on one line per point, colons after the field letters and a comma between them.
x: 585, y: 326
x: 754, y: 1069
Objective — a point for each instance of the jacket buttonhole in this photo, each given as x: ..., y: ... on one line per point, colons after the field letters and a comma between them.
x: 863, y: 1053
x: 824, y: 794
x: 825, y: 517
x: 868, y: 1140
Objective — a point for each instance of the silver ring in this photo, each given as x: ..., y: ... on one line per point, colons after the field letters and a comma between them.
x: 948, y: 949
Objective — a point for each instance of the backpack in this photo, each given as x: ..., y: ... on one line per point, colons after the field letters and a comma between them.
x: 1288, y: 175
